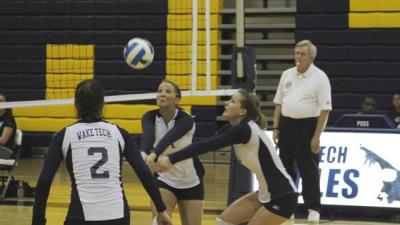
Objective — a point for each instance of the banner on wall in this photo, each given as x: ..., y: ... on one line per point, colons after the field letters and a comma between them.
x: 358, y: 169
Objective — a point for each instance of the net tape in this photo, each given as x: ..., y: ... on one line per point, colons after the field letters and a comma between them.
x: 114, y: 98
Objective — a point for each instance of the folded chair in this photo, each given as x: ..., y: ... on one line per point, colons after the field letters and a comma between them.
x: 10, y: 164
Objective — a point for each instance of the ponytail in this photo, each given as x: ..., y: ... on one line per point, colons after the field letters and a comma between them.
x: 261, y: 120
x: 251, y: 103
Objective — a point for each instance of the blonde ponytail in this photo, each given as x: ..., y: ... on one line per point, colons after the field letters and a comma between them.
x: 250, y: 102
x: 261, y: 120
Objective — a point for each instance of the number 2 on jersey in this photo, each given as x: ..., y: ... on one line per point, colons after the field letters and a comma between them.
x: 104, y: 157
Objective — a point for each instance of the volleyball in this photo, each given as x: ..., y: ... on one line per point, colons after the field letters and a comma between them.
x: 138, y: 53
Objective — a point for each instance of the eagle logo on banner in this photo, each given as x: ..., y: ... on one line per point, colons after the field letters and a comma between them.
x: 391, y: 189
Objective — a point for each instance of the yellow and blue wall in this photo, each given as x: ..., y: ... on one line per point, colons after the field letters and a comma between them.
x: 47, y: 47
x: 358, y: 47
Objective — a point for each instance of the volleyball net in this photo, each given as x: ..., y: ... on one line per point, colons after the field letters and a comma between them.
x: 47, y: 54
x: 188, y: 56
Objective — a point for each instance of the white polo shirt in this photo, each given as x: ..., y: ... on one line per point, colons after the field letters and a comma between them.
x: 303, y: 96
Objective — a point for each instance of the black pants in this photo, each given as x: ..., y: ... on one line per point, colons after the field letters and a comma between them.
x: 295, y: 152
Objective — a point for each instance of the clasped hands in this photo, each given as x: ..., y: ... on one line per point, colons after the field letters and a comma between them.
x: 160, y: 164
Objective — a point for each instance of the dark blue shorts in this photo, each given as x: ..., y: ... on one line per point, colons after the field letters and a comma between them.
x: 283, y: 206
x: 193, y: 193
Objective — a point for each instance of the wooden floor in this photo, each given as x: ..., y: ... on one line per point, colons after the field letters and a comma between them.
x: 15, y: 211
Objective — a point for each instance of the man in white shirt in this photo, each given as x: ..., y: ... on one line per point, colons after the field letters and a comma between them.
x: 302, y: 105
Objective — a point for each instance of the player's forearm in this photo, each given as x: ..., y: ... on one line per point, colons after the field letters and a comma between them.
x: 181, y: 127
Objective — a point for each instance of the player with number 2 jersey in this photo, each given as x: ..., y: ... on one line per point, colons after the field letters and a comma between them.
x: 93, y: 150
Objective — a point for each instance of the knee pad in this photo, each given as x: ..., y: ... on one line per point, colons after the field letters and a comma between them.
x: 221, y: 222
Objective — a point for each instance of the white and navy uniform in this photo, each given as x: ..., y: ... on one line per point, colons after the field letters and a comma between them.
x: 93, y: 152
x: 162, y: 138
x: 255, y: 150
x: 302, y: 97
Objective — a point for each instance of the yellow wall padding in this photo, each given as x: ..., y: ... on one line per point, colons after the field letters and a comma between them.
x: 184, y: 67
x: 55, y: 118
x: 132, y: 126
x: 69, y: 51
x: 60, y: 111
x: 62, y: 93
x: 185, y: 81
x: 111, y: 111
x: 77, y: 66
x: 374, y: 20
x: 184, y: 37
x: 43, y: 124
x: 56, y: 124
x: 66, y: 66
x: 200, y: 100
x: 131, y: 111
x: 65, y: 80
x: 185, y: 52
x: 179, y: 40
x: 179, y: 6
x: 374, y: 5
x: 184, y: 21
x: 125, y: 111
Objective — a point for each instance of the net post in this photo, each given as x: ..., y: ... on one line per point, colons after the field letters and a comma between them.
x: 194, y: 45
x: 208, y: 45
x: 239, y: 36
x: 248, y: 79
